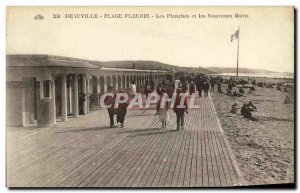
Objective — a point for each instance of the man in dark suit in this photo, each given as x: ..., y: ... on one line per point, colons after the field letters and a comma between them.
x: 110, y: 101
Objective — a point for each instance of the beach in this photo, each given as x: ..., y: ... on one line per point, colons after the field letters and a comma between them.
x: 264, y: 149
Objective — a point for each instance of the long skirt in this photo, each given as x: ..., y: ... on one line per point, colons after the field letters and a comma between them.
x: 163, y: 114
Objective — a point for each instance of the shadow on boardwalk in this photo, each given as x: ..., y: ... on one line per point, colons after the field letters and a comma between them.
x: 85, y: 152
x: 153, y: 133
x: 85, y: 129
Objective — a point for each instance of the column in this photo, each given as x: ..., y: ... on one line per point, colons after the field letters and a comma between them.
x: 125, y: 81
x: 53, y: 100
x: 70, y: 96
x: 144, y: 78
x: 98, y: 84
x: 64, y: 100
x: 141, y: 79
x: 105, y: 83
x: 116, y: 82
x: 87, y: 99
x: 108, y: 81
x: 75, y: 96
x: 121, y: 81
x: 83, y: 90
x: 136, y: 80
x: 129, y: 79
x: 111, y: 80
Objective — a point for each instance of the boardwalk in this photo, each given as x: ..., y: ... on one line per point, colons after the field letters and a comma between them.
x: 84, y: 152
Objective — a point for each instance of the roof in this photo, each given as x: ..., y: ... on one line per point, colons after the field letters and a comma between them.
x: 59, y: 61
x: 66, y: 63
x: 46, y: 61
x: 133, y: 70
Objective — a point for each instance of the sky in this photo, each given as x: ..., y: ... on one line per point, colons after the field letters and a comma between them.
x: 266, y: 39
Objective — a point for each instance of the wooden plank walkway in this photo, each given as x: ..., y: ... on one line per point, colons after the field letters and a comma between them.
x: 85, y: 152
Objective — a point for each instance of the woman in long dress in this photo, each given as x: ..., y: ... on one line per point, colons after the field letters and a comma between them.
x: 132, y: 89
x: 162, y: 110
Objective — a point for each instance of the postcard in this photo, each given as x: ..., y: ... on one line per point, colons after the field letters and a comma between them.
x: 150, y: 97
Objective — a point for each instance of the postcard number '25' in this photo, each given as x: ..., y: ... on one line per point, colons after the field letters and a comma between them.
x: 55, y: 16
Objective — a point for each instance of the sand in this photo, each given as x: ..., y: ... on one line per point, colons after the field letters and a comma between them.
x: 264, y: 149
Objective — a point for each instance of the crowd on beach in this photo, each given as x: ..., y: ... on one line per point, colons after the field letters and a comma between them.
x: 263, y: 144
x: 236, y: 87
x: 173, y: 94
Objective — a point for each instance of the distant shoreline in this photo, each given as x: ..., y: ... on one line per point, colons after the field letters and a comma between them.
x: 259, y: 75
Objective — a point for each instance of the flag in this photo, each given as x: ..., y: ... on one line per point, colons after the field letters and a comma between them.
x: 235, y: 35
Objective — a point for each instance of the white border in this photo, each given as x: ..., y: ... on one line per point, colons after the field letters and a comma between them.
x: 5, y: 3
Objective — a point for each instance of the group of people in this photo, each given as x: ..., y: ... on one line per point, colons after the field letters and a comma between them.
x: 166, y: 89
x: 120, y: 110
x: 201, y: 83
x: 246, y: 110
x: 179, y: 110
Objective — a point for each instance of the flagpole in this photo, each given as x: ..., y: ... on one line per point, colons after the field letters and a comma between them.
x: 237, y: 61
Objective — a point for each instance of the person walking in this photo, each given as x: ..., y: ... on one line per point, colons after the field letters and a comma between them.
x: 206, y: 88
x: 200, y: 87
x: 184, y: 86
x: 162, y: 109
x: 152, y: 85
x: 147, y: 90
x: 159, y: 89
x: 122, y: 110
x: 132, y: 89
x: 180, y: 110
x: 192, y: 88
x: 170, y: 90
x: 110, y: 101
x: 219, y: 87
x: 212, y: 84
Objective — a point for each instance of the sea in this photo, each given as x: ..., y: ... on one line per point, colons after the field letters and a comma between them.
x: 286, y: 75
